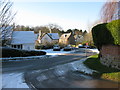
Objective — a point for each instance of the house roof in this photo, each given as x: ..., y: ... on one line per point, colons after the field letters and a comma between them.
x: 22, y: 37
x: 53, y: 35
x: 65, y: 36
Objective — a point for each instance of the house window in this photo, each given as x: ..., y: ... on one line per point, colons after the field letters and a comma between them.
x: 65, y: 35
x: 17, y: 46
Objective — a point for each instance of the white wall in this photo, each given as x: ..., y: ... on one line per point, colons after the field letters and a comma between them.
x: 45, y: 39
x: 29, y: 46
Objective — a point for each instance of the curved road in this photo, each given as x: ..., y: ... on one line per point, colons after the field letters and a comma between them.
x: 48, y: 78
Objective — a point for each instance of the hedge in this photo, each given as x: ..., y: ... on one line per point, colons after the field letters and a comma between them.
x: 10, y: 52
x: 106, y: 33
x: 114, y: 28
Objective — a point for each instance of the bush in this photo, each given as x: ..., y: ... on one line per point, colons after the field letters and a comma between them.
x: 39, y: 47
x: 106, y: 33
x: 114, y: 28
x: 10, y: 52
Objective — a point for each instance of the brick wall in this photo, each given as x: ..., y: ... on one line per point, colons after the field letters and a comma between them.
x: 110, y: 56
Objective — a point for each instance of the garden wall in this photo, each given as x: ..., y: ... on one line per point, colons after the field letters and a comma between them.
x: 110, y: 56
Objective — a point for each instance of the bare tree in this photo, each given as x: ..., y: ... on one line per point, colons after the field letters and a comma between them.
x: 110, y: 11
x: 53, y: 27
x: 6, y: 17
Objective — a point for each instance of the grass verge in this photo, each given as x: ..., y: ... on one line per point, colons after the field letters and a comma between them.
x: 104, y: 72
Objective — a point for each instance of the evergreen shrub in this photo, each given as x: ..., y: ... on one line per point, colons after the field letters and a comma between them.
x: 106, y: 33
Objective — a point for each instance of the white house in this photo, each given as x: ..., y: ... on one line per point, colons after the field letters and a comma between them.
x: 23, y: 40
x: 49, y: 38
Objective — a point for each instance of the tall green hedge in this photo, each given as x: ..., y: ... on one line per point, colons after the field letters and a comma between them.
x: 114, y: 28
x: 106, y: 33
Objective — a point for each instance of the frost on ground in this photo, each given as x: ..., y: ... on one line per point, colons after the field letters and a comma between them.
x: 13, y: 80
x: 51, y: 52
x: 74, y: 66
x: 16, y: 80
x: 79, y: 66
x: 94, y: 50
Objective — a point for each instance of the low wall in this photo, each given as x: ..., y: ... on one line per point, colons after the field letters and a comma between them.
x: 110, y: 56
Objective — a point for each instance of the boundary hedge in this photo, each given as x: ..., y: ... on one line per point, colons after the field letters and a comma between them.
x: 106, y: 33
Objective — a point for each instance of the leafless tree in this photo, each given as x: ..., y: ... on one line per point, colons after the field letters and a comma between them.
x: 110, y: 11
x: 53, y: 27
x: 6, y: 17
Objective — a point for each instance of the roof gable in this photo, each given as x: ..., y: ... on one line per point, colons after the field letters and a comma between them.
x: 65, y: 36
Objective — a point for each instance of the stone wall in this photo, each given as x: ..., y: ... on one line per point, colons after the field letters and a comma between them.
x: 110, y: 56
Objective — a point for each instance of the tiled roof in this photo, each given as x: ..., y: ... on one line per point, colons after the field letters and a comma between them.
x: 53, y: 35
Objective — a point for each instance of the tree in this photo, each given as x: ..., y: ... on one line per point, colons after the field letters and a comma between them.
x: 80, y: 32
x: 6, y: 17
x: 69, y: 31
x: 77, y: 32
x: 110, y: 11
x: 54, y: 28
x: 22, y: 28
x: 84, y: 33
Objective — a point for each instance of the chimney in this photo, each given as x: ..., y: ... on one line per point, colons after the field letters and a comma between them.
x: 40, y: 33
x: 50, y: 30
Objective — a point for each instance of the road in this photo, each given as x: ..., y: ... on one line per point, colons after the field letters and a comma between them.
x: 45, y: 75
x: 42, y: 63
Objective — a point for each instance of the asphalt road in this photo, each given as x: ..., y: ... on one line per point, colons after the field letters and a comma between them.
x: 45, y: 77
x: 42, y: 63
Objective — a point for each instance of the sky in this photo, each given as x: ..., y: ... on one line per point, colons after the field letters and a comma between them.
x: 67, y: 14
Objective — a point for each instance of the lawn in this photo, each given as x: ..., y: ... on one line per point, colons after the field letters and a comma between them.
x: 106, y: 72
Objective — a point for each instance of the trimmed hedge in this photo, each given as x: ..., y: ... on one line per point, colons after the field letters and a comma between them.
x: 106, y: 33
x: 10, y: 52
x: 114, y: 28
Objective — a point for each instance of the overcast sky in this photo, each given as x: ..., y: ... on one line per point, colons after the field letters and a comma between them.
x: 68, y: 15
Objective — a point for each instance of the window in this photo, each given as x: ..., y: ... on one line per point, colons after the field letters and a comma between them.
x: 17, y: 46
x: 65, y: 35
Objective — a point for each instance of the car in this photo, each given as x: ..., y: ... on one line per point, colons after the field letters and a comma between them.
x: 86, y: 46
x: 67, y: 48
x: 80, y: 46
x: 56, y: 48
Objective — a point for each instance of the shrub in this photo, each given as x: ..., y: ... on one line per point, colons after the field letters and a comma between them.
x: 106, y: 33
x: 114, y: 28
x: 39, y: 47
x: 10, y: 52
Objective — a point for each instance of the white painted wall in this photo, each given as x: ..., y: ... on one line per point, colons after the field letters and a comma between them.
x: 29, y: 46
x: 45, y: 39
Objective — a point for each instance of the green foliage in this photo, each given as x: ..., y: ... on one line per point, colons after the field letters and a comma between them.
x: 114, y: 28
x: 112, y: 76
x: 106, y: 33
x: 103, y: 71
x: 94, y: 63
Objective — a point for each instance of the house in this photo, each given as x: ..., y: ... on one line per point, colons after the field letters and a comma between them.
x: 79, y: 39
x: 67, y: 38
x: 48, y: 38
x: 23, y: 40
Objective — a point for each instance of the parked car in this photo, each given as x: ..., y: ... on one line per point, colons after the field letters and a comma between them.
x: 67, y: 48
x: 56, y: 48
x: 80, y: 46
x: 86, y: 46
